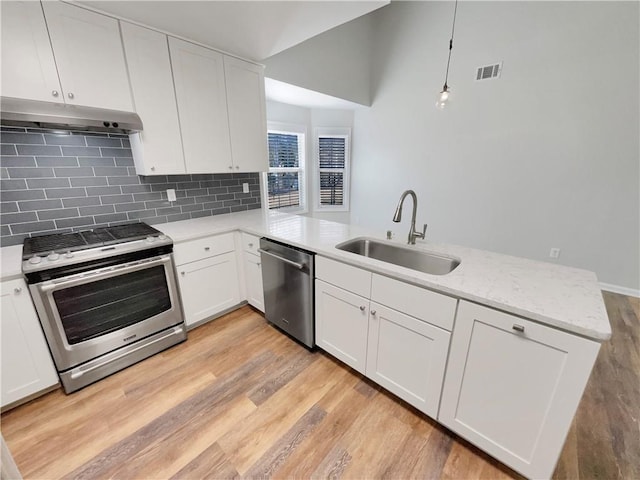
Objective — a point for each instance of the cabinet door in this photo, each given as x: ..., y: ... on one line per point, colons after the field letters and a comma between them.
x: 28, y: 67
x: 247, y: 115
x: 208, y: 287
x: 253, y: 276
x: 89, y: 55
x: 27, y: 367
x: 342, y: 323
x: 157, y: 150
x: 512, y: 386
x: 202, y: 107
x: 407, y: 357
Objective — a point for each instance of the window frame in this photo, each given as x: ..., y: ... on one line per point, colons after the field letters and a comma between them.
x: 333, y: 132
x: 301, y: 132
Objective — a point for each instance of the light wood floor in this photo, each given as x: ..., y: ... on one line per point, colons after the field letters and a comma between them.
x: 239, y: 399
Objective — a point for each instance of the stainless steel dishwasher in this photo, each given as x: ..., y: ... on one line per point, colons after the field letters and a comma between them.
x: 287, y: 277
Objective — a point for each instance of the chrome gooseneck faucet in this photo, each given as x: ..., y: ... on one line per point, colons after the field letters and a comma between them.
x: 413, y: 234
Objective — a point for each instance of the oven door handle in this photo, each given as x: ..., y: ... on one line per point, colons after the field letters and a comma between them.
x: 94, y: 275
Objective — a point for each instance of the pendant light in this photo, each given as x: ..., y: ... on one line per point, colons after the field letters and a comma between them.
x: 445, y: 95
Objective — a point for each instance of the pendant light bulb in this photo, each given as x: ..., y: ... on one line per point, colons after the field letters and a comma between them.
x: 445, y: 95
x: 444, y: 98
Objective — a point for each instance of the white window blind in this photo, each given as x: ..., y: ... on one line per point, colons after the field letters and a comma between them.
x: 285, y: 179
x: 333, y: 170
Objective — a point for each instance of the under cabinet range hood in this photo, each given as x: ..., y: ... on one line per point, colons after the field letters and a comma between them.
x: 30, y: 113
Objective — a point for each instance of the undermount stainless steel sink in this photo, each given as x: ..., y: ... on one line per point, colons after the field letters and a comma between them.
x: 412, y: 258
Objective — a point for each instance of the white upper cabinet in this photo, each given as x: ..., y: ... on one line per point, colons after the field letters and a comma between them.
x: 28, y: 67
x: 202, y: 107
x: 247, y: 115
x: 157, y: 150
x: 89, y: 56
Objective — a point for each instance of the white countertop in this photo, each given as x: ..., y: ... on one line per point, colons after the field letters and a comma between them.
x: 567, y: 298
x: 564, y: 297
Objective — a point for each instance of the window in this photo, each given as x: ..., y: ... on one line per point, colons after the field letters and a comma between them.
x: 285, y: 179
x: 333, y: 168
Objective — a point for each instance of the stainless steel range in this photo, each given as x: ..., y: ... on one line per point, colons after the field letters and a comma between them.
x: 107, y: 298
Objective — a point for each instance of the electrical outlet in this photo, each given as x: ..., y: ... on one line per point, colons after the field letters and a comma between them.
x: 554, y: 253
x: 245, y: 188
x: 171, y: 195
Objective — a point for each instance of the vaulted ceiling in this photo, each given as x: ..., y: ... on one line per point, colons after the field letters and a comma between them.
x: 251, y: 29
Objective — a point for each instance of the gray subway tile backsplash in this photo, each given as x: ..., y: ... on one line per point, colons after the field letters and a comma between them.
x: 53, y: 182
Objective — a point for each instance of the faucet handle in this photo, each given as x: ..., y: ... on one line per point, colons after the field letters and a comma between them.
x: 424, y: 232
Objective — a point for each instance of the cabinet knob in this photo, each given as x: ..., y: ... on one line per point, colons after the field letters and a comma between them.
x: 250, y: 244
x: 373, y: 312
x: 237, y: 167
x: 206, y: 249
x: 70, y: 95
x: 362, y: 307
x: 258, y: 264
x: 153, y: 169
x: 181, y: 273
x: 55, y: 93
x: 17, y: 290
x: 230, y: 167
x: 518, y: 328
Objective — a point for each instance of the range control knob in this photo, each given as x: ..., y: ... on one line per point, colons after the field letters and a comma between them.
x: 53, y: 256
x: 151, y: 239
x: 162, y: 237
x: 68, y: 254
x: 35, y: 260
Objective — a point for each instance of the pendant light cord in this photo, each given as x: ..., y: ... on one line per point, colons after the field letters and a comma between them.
x: 453, y: 29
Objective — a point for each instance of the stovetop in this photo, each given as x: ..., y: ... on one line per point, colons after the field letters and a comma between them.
x: 61, y: 250
x: 72, y: 242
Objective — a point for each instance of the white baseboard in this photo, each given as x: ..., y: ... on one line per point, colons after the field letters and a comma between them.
x: 631, y: 292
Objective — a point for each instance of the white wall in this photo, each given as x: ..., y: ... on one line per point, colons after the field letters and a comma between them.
x: 547, y: 156
x: 336, y: 62
x: 312, y: 119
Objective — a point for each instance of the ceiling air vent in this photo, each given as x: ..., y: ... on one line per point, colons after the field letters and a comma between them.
x: 488, y: 72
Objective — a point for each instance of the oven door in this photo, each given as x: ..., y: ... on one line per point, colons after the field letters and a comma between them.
x: 92, y: 313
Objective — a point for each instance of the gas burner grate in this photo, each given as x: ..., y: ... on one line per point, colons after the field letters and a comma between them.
x: 66, y: 242
x: 131, y: 230
x: 54, y: 242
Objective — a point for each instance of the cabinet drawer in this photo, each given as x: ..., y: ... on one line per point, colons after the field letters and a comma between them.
x: 250, y: 243
x: 418, y: 302
x: 203, y: 248
x: 345, y: 276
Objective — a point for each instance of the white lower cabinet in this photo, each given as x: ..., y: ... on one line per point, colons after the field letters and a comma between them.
x: 342, y: 324
x: 512, y: 386
x: 207, y: 277
x: 27, y: 367
x: 407, y: 357
x: 253, y: 270
x: 406, y: 354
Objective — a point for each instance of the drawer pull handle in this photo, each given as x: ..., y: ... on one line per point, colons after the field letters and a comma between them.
x: 518, y: 328
x: 362, y: 307
x: 17, y: 289
x: 250, y: 245
x: 206, y: 249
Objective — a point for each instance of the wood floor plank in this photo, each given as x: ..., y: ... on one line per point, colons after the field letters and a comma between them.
x: 213, y: 397
x: 280, y: 451
x: 256, y: 433
x: 239, y: 398
x: 211, y: 464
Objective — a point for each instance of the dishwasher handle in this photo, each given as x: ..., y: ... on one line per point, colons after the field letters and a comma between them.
x: 299, y: 266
